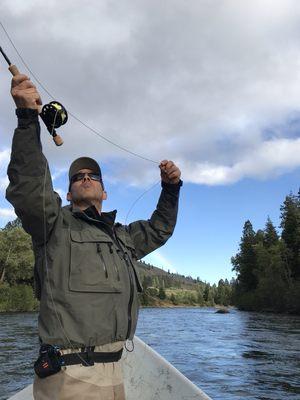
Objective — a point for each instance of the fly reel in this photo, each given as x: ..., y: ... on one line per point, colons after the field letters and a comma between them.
x: 54, y: 115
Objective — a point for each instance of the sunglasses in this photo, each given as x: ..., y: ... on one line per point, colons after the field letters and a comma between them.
x: 81, y: 175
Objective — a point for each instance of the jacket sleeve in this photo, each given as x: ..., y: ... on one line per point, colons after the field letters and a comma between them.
x: 30, y: 189
x: 148, y: 235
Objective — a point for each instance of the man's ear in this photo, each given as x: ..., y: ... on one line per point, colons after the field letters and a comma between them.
x: 104, y: 195
x: 69, y: 196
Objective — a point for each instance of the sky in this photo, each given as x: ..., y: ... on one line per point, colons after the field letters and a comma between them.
x: 212, y: 85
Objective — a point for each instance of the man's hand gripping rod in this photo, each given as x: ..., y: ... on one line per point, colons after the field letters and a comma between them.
x: 53, y: 114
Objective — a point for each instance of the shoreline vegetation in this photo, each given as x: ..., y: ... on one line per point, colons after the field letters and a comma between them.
x: 267, y: 266
x: 160, y: 288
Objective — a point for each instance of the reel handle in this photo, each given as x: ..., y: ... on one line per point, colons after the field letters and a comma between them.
x: 56, y: 138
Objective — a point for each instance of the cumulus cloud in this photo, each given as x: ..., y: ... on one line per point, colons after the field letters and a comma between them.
x: 214, y: 85
x: 270, y: 159
x: 4, y: 158
x: 7, y: 213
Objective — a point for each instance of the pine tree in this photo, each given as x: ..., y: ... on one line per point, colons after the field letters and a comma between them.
x: 290, y: 224
x: 271, y: 237
x: 244, y: 262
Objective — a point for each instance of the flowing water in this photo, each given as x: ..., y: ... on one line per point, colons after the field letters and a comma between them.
x: 232, y: 356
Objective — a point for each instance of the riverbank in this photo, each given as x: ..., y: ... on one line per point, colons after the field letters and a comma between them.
x: 20, y: 298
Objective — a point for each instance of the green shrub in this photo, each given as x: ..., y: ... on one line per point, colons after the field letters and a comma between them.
x: 4, y: 297
x: 17, y: 298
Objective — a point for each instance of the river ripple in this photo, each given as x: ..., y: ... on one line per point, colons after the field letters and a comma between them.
x: 230, y: 356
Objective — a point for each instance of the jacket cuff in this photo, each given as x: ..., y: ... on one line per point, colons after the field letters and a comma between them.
x: 26, y: 116
x: 172, y: 187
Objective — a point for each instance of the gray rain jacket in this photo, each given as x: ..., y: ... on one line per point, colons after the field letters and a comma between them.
x: 85, y: 268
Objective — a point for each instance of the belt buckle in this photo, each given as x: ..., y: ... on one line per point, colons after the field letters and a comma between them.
x: 89, y: 350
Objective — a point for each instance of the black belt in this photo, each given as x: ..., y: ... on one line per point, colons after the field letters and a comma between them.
x: 89, y: 357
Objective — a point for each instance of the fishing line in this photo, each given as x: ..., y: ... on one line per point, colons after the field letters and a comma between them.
x: 46, y: 264
x: 134, y: 203
x: 46, y: 258
x: 71, y: 114
x: 47, y: 268
x: 57, y: 110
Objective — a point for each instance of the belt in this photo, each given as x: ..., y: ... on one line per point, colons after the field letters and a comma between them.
x: 89, y: 357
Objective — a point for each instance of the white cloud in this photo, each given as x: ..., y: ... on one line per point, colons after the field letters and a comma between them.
x: 58, y: 173
x: 270, y: 159
x: 158, y: 259
x: 205, y: 83
x: 4, y: 159
x: 63, y: 195
x: 3, y: 183
x: 7, y: 213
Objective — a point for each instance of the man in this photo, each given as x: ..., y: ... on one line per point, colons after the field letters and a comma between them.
x: 85, y: 263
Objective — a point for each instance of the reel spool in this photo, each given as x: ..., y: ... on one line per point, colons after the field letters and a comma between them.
x: 54, y: 115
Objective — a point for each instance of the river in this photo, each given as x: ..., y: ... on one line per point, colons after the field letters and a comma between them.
x: 240, y: 355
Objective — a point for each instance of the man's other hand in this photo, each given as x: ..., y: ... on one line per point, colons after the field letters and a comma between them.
x: 169, y: 172
x: 24, y: 92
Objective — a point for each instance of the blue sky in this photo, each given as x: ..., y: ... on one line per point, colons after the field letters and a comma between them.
x: 214, y: 86
x: 210, y: 219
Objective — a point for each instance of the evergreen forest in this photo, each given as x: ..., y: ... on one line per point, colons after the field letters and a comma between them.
x: 268, y: 264
x: 267, y: 268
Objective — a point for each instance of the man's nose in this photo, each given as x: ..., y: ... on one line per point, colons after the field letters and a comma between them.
x: 86, y: 177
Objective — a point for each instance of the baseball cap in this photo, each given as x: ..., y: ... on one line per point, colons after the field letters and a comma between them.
x: 84, y: 163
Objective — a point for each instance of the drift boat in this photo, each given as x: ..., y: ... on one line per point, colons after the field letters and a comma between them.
x: 147, y: 376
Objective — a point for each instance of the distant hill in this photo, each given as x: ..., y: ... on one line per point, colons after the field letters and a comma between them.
x: 164, y: 288
x: 161, y: 287
x: 151, y: 273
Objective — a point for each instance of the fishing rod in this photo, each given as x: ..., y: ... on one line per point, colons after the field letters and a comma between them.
x: 53, y: 114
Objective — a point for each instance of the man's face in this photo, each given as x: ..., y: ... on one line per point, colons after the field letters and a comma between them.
x: 86, y: 190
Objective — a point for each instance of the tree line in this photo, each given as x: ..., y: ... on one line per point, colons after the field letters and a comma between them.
x: 268, y: 263
x: 164, y: 290
x: 160, y: 287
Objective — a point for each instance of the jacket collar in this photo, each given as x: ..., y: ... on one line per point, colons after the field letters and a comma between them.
x: 91, y: 214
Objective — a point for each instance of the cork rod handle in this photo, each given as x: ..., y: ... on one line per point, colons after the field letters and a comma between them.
x: 14, y: 70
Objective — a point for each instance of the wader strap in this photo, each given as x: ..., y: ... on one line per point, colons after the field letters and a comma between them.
x: 90, y: 358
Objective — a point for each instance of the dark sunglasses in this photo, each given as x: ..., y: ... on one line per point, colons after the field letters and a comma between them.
x: 81, y: 175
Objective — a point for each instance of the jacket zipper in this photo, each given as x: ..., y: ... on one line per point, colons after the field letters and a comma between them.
x: 125, y: 256
x: 102, y: 259
x: 127, y: 260
x: 115, y: 266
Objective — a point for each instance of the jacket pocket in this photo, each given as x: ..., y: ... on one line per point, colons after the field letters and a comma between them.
x: 91, y: 265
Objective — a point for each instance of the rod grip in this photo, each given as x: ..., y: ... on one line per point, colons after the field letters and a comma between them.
x: 58, y: 140
x: 14, y: 70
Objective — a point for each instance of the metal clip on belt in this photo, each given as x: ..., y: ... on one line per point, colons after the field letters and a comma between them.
x: 89, y: 357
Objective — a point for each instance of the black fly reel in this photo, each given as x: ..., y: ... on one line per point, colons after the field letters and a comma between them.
x: 54, y: 115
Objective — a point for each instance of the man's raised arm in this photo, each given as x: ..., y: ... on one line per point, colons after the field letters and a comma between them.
x: 30, y: 189
x: 148, y: 235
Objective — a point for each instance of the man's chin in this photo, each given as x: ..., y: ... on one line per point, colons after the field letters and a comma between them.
x: 85, y: 200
